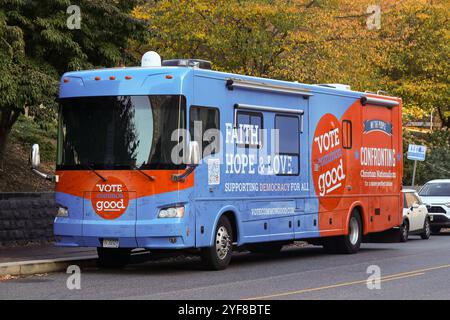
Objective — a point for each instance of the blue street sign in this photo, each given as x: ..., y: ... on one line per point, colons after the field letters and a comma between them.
x: 416, y: 152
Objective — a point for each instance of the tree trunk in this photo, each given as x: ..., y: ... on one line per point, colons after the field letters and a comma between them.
x: 8, y: 116
x: 445, y: 121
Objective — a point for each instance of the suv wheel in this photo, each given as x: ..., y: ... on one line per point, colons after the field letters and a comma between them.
x: 404, y: 231
x: 426, y: 230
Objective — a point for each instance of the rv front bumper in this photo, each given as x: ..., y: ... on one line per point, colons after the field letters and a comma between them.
x: 170, y: 233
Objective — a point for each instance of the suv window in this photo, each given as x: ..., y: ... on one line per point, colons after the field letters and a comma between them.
x: 435, y: 190
x: 410, y: 199
x: 417, y: 198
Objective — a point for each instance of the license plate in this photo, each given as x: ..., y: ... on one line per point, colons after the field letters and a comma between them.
x: 108, y: 243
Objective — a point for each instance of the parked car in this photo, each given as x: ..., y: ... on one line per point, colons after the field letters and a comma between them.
x: 436, y: 193
x: 416, y: 220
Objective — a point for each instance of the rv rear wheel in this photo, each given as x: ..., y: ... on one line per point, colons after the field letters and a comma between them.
x: 218, y: 256
x: 113, y: 258
x: 351, y: 242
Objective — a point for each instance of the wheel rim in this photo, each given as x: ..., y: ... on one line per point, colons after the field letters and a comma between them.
x: 427, y: 228
x: 223, y: 243
x: 354, y: 231
x: 405, y: 231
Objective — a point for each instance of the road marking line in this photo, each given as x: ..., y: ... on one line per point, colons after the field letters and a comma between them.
x: 402, y: 277
x: 397, y: 276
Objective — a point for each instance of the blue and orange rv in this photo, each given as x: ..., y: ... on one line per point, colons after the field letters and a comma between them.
x: 177, y: 156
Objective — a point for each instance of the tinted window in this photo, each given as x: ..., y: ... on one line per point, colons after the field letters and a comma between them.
x: 249, y: 118
x: 347, y: 138
x: 202, y: 119
x: 289, y: 139
x: 435, y: 190
x: 289, y: 134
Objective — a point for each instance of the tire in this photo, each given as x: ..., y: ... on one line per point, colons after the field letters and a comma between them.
x: 350, y: 243
x: 426, y: 230
x: 404, y: 231
x: 218, y: 256
x: 435, y: 230
x: 113, y: 258
x: 265, y: 248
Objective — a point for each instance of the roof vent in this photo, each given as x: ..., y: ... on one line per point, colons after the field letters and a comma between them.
x: 336, y: 86
x: 195, y: 63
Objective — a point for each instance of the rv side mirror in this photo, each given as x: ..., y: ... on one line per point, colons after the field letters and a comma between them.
x: 193, y: 162
x: 35, y: 157
x: 35, y: 162
x: 194, y: 153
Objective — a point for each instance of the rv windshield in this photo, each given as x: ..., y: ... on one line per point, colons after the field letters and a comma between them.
x: 119, y: 132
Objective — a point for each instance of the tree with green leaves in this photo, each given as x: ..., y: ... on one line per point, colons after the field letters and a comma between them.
x: 38, y: 43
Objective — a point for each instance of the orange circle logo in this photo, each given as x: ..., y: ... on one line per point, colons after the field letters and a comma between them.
x: 328, y: 161
x: 110, y: 198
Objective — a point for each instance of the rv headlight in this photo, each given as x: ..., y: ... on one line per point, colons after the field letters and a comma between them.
x: 172, y: 212
x: 62, y: 212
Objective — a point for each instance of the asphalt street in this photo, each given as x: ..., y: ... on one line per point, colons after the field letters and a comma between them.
x: 418, y: 269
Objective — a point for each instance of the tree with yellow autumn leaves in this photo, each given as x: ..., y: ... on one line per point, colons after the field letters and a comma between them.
x: 319, y: 41
x: 314, y: 42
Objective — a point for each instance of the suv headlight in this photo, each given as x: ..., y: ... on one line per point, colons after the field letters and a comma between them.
x: 172, y: 212
x: 62, y: 212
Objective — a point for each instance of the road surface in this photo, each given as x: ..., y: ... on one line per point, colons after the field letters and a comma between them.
x: 418, y: 269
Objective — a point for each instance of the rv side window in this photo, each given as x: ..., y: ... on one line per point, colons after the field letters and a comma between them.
x: 250, y: 123
x: 347, y: 139
x: 289, y: 141
x: 204, y: 127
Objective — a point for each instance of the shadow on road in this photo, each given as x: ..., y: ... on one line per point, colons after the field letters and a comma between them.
x: 442, y: 234
x: 146, y: 264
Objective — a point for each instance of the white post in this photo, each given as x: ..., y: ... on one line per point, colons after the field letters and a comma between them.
x: 414, y: 173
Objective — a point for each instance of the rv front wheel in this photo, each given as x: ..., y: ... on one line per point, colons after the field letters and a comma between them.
x: 218, y: 256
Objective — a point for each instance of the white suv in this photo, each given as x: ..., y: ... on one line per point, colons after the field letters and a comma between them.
x: 436, y: 193
x: 415, y: 216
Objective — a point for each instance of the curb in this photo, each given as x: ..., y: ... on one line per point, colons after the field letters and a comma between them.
x: 30, y: 267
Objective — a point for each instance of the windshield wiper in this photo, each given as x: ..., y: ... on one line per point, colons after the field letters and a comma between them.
x: 134, y: 167
x: 94, y: 171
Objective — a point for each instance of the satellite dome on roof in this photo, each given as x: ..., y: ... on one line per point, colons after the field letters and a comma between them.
x: 151, y: 59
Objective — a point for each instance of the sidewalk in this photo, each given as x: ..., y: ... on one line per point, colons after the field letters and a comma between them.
x: 42, y: 259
